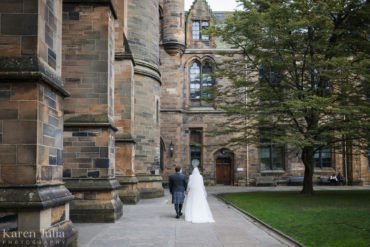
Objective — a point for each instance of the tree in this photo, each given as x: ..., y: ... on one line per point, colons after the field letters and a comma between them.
x: 303, y: 75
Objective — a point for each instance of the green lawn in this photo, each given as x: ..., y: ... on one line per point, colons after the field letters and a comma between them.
x: 328, y: 218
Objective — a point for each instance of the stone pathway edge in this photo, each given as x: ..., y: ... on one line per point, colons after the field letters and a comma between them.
x: 262, y: 224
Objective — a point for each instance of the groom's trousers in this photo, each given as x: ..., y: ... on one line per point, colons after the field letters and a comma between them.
x: 178, y: 200
x: 178, y: 208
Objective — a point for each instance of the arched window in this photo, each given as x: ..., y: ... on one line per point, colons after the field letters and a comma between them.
x: 201, y: 83
x: 195, y: 81
x: 207, y: 80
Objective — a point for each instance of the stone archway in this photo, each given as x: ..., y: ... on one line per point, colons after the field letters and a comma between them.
x: 224, y: 160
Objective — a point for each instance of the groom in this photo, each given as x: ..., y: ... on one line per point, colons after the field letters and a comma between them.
x: 177, y: 185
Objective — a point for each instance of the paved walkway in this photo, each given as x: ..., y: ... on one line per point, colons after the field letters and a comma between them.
x: 152, y: 223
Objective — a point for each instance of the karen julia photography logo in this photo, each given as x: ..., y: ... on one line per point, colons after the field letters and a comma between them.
x: 32, y: 238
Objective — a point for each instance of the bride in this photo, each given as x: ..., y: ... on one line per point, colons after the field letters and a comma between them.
x: 196, y: 206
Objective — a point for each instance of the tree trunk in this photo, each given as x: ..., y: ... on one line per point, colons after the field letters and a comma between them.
x: 307, y: 158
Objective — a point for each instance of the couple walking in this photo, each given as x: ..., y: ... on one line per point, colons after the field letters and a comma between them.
x: 196, y: 206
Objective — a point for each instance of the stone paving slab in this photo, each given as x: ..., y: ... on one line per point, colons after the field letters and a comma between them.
x: 152, y: 222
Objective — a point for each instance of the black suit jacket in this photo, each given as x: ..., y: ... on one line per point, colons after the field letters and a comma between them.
x: 177, y: 182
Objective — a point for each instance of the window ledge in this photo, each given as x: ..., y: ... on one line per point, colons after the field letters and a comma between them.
x: 200, y: 108
x: 325, y: 169
x: 272, y: 172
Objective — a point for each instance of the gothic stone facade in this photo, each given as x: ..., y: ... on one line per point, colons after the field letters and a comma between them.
x: 187, y: 58
x: 100, y: 99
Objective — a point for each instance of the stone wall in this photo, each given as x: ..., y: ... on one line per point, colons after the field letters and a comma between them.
x: 124, y: 110
x: 144, y: 44
x: 32, y: 134
x: 33, y: 197
x: 146, y: 125
x: 172, y: 116
x: 88, y: 72
x: 172, y: 131
x: 362, y: 168
x: 143, y: 39
x: 88, y: 75
x: 20, y: 39
x: 88, y: 153
x: 87, y: 63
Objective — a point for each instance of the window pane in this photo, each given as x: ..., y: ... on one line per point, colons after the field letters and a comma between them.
x: 316, y: 158
x: 196, y: 30
x: 195, y: 136
x: 265, y: 153
x: 205, y: 37
x: 265, y: 158
x: 277, y: 157
x: 322, y: 158
x: 195, y: 81
x: 207, y: 80
x: 326, y: 157
x: 271, y: 155
x: 268, y: 75
x: 368, y: 155
x: 205, y: 25
x: 195, y: 145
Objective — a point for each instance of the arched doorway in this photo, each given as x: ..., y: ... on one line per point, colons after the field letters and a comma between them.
x: 224, y: 167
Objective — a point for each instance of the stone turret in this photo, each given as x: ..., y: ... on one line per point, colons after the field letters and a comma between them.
x: 172, y: 90
x: 173, y: 26
x: 143, y: 38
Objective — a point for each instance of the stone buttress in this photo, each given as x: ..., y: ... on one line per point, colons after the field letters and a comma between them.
x: 34, y: 203
x: 89, y: 130
x: 124, y: 110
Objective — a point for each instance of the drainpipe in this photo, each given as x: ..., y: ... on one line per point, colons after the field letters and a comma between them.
x: 247, y: 165
x: 345, y: 155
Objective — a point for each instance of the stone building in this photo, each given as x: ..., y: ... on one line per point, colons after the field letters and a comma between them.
x: 187, y: 58
x: 187, y: 62
x: 74, y: 76
x: 99, y: 99
x: 33, y: 198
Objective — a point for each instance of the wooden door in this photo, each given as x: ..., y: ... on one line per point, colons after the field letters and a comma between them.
x: 223, y: 171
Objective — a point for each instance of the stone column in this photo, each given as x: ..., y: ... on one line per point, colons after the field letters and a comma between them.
x: 173, y: 89
x: 143, y: 38
x: 124, y: 110
x: 34, y: 203
x: 88, y: 72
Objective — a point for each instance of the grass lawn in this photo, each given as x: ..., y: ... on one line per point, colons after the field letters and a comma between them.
x: 328, y: 218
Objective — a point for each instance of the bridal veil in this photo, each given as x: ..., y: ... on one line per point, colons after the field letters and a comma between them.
x: 196, y: 206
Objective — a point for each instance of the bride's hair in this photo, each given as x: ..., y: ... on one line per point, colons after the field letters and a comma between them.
x: 177, y: 168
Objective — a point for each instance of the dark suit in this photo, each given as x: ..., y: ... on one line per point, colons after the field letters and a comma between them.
x: 177, y: 185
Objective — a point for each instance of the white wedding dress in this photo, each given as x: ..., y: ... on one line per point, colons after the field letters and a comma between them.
x: 196, y: 206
